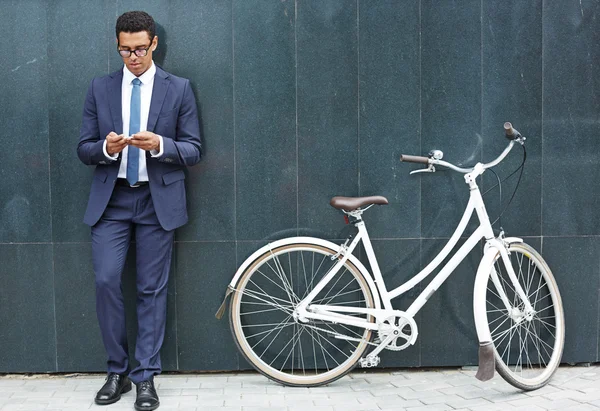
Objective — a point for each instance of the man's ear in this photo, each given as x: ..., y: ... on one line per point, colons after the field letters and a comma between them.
x: 154, y: 43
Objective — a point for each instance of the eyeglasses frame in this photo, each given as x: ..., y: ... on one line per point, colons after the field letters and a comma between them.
x: 134, y: 52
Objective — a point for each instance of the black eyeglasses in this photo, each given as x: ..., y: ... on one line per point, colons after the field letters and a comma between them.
x: 137, y: 52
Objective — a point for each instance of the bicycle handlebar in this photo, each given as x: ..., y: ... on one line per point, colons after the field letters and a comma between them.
x: 414, y: 159
x: 511, y: 133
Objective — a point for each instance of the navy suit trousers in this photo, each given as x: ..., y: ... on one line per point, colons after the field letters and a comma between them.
x: 130, y: 213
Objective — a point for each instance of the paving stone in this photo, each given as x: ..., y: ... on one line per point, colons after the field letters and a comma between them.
x: 246, y: 402
x: 479, y: 393
x: 331, y: 388
x: 502, y: 397
x: 585, y: 407
x: 237, y: 391
x: 32, y: 394
x: 439, y: 399
x: 594, y: 376
x: 436, y: 407
x: 274, y: 400
x: 8, y: 382
x: 411, y: 382
x: 7, y: 400
x: 385, y: 402
x: 460, y: 389
x: 577, y: 383
x: 315, y: 408
x: 337, y: 401
x: 492, y: 407
x: 548, y: 389
x: 468, y: 403
x: 530, y: 401
x: 588, y: 396
x: 363, y: 397
x: 355, y: 407
x: 362, y: 386
x: 430, y: 386
x: 298, y: 397
x: 567, y: 393
x: 563, y: 404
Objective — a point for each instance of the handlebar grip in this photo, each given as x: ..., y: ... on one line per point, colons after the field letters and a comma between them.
x: 511, y: 133
x: 414, y: 159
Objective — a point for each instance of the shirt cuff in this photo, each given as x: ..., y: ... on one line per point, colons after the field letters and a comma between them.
x: 154, y: 153
x: 115, y: 157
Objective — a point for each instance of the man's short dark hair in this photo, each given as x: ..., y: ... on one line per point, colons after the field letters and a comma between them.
x: 134, y: 22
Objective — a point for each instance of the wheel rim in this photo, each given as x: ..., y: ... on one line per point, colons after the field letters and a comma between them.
x: 267, y: 333
x: 528, y: 348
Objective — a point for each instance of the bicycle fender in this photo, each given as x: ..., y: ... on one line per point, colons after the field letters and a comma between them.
x: 479, y: 292
x: 486, y: 365
x: 303, y: 240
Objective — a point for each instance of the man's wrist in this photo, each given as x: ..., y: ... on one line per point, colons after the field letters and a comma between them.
x: 159, y: 150
x: 107, y: 154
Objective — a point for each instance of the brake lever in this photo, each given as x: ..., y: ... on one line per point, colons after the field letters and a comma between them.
x: 429, y: 169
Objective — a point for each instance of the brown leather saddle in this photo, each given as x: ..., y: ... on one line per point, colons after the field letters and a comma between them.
x: 352, y: 203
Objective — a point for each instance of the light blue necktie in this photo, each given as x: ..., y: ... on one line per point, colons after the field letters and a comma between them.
x: 133, y: 157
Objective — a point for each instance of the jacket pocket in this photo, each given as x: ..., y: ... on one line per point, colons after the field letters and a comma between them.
x: 173, y: 176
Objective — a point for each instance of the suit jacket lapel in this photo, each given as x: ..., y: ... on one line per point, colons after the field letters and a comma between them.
x: 159, y: 91
x: 114, y: 96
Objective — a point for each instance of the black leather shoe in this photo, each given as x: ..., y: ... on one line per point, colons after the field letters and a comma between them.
x: 147, y: 398
x: 115, y: 385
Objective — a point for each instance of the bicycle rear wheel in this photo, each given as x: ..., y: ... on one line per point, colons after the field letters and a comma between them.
x: 527, y: 349
x: 288, y: 351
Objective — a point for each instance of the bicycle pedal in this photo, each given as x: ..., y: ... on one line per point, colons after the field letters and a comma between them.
x: 369, y: 362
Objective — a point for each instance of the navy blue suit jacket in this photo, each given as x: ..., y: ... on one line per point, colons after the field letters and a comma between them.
x: 173, y: 115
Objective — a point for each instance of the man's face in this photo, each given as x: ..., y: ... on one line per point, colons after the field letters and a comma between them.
x: 137, y: 41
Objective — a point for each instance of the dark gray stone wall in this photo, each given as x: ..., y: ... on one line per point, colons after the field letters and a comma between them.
x: 300, y: 101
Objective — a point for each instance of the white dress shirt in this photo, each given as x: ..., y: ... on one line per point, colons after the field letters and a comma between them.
x: 146, y: 87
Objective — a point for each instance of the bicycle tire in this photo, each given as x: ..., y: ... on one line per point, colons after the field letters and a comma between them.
x: 530, y: 361
x: 274, y: 281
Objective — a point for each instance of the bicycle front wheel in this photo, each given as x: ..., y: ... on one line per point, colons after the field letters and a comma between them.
x: 289, y: 351
x: 528, y: 348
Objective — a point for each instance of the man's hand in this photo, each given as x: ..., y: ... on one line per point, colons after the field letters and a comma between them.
x: 145, y: 140
x: 115, y: 143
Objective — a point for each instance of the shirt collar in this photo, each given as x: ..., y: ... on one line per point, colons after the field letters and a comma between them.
x: 145, y: 78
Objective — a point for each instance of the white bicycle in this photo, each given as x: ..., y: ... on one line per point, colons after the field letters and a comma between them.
x: 304, y: 310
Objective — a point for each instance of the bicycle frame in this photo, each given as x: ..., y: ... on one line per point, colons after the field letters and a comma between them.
x: 484, y: 231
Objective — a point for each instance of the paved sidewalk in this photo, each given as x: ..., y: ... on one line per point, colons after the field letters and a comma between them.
x: 572, y: 388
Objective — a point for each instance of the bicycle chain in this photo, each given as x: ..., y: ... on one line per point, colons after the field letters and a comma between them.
x: 346, y: 337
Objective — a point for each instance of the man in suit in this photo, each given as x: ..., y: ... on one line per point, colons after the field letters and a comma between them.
x: 140, y: 130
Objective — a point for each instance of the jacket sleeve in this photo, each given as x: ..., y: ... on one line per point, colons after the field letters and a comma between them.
x: 185, y: 148
x: 90, y: 148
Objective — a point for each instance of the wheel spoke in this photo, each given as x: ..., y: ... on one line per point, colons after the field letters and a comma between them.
x: 268, y: 332
x: 273, y: 303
